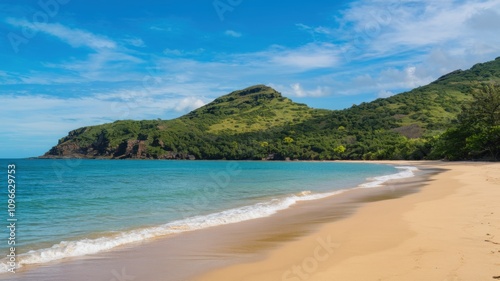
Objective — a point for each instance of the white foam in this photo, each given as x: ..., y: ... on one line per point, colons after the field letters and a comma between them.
x: 407, y: 172
x: 68, y: 249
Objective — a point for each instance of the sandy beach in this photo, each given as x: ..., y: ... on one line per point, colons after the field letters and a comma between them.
x: 448, y: 231
x: 441, y: 224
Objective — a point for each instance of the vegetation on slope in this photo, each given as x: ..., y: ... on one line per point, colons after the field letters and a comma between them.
x: 253, y: 109
x: 259, y: 122
x: 476, y: 132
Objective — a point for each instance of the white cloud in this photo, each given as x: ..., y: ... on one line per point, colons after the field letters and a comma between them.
x: 161, y: 28
x: 173, y: 52
x: 102, y: 66
x: 385, y: 94
x: 387, y: 81
x: 485, y: 20
x: 189, y: 104
x: 408, y: 78
x: 38, y: 121
x: 393, y: 27
x: 136, y: 42
x: 233, y: 33
x: 307, y: 60
x: 107, y: 61
x: 298, y: 90
x: 242, y: 70
x: 395, y: 45
x: 73, y: 36
x: 179, y: 53
x: 321, y: 30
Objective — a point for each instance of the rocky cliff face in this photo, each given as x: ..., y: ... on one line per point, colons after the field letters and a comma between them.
x: 100, y: 148
x: 130, y: 149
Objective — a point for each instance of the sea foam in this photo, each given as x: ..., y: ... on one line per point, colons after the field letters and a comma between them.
x: 406, y: 172
x: 68, y: 249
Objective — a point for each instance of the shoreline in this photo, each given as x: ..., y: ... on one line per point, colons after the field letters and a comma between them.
x: 446, y: 231
x: 285, y: 201
x: 312, y: 214
x: 214, y: 253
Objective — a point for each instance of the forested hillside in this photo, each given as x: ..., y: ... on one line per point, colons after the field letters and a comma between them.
x: 258, y: 122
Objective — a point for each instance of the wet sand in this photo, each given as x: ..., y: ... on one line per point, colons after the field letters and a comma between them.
x: 315, y: 240
x: 448, y: 231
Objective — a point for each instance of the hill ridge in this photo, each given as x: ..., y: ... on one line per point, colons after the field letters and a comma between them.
x: 254, y: 122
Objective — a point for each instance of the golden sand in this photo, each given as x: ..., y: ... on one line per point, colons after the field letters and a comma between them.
x: 448, y: 231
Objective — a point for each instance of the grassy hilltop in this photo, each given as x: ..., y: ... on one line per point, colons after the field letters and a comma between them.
x: 258, y: 122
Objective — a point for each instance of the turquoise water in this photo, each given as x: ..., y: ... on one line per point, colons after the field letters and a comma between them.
x: 76, y: 207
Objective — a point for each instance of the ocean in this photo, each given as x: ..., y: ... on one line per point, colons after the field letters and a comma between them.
x: 73, y: 207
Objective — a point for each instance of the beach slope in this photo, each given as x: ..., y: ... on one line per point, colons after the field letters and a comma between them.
x: 448, y: 231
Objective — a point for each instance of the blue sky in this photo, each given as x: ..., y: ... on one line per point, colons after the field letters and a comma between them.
x: 67, y: 63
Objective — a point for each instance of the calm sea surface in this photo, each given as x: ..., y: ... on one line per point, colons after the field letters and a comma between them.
x: 74, y: 207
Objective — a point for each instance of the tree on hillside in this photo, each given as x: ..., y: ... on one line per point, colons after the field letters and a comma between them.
x: 265, y: 147
x: 288, y: 140
x: 339, y: 150
x: 476, y: 133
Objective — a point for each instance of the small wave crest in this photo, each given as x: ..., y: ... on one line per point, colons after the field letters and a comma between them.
x: 406, y: 172
x: 68, y: 249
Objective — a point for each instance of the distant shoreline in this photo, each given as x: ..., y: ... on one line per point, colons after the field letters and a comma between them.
x: 381, y: 230
x: 445, y: 231
x: 282, y: 224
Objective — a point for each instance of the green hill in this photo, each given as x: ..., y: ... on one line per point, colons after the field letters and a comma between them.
x: 258, y: 122
x: 253, y: 109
